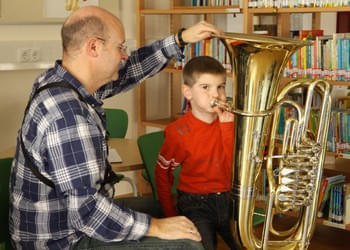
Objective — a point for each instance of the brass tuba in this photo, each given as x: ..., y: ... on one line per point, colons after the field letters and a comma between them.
x: 257, y: 66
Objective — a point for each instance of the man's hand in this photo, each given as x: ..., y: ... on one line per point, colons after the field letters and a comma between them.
x: 173, y: 228
x: 199, y: 31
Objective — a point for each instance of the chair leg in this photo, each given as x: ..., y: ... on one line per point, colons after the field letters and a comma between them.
x: 134, y: 188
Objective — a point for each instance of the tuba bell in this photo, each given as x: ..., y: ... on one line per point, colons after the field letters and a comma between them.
x: 257, y: 66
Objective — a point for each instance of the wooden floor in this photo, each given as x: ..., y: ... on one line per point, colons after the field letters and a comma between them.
x: 325, y: 238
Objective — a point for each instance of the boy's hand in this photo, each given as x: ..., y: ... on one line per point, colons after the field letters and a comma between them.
x: 223, y: 115
x: 199, y: 31
x: 174, y: 228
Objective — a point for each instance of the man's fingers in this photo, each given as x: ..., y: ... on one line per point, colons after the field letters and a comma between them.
x: 193, y: 235
x: 189, y: 229
x: 200, y: 31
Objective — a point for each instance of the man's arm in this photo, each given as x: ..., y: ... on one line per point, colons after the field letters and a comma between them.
x: 141, y: 64
x: 149, y: 60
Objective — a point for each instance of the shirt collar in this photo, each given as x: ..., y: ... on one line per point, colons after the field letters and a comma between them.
x: 198, y: 122
x: 69, y: 78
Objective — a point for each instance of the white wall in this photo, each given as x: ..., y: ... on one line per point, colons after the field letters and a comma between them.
x: 15, y: 85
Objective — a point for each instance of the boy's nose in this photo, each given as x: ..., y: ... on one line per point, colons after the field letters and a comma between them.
x: 215, y: 94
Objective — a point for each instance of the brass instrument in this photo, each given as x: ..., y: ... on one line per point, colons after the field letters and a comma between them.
x: 257, y: 65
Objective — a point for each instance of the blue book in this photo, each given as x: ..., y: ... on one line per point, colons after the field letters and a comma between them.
x: 331, y: 205
x: 331, y: 182
x: 347, y: 128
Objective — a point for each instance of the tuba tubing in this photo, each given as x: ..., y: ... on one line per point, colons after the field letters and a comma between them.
x: 257, y: 66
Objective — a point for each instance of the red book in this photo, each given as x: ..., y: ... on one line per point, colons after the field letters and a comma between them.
x: 322, y: 191
x: 309, y: 34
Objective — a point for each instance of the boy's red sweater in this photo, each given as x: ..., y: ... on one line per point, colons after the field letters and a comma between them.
x: 205, y: 154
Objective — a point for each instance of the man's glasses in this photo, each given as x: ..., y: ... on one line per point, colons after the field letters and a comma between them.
x: 122, y: 47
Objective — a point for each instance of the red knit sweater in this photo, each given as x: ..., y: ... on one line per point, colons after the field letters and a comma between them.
x: 205, y: 154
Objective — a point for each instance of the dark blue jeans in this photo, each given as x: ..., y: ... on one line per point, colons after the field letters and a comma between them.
x: 211, y: 213
x: 146, y: 205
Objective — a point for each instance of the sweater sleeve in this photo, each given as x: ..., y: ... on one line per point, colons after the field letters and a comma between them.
x: 227, y: 133
x: 169, y: 158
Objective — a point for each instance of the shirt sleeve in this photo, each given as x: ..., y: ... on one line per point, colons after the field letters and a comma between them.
x: 141, y: 64
x: 227, y: 133
x: 75, y: 155
x: 169, y: 158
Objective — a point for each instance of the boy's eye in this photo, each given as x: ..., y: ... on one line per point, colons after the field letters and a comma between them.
x: 205, y: 86
x: 221, y: 87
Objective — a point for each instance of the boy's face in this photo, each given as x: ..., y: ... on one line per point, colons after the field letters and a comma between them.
x: 206, y: 88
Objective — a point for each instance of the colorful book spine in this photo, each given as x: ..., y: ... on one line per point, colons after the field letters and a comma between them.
x: 331, y: 181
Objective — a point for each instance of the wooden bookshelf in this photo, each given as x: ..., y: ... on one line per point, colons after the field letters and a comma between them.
x: 175, y: 11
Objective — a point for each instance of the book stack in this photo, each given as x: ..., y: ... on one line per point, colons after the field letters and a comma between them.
x: 214, y: 2
x: 328, y: 57
x: 334, y: 200
x: 209, y: 47
x: 339, y: 133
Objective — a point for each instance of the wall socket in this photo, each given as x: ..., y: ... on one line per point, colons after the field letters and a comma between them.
x: 28, y: 55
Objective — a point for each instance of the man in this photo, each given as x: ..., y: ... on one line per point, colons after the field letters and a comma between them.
x: 60, y: 177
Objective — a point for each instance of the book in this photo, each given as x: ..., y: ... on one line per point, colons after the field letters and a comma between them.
x: 337, y: 179
x: 347, y: 204
x: 322, y: 192
x: 310, y: 34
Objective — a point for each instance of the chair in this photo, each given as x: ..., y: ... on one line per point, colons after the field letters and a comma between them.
x: 117, y: 122
x: 5, y: 169
x: 117, y: 126
x: 149, y: 146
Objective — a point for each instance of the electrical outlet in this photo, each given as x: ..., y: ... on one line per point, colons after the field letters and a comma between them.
x: 28, y: 54
x: 34, y: 54
x: 23, y: 54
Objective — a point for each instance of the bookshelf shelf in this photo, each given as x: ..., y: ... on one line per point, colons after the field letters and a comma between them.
x: 297, y: 10
x: 284, y: 80
x: 192, y: 11
x: 332, y: 82
x: 344, y: 98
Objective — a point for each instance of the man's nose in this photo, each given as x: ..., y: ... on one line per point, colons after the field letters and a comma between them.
x: 125, y: 55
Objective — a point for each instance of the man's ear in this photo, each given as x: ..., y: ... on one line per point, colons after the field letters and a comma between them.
x: 186, y: 91
x: 92, y: 46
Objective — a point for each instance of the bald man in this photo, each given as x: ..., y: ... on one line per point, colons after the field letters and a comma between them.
x: 60, y: 179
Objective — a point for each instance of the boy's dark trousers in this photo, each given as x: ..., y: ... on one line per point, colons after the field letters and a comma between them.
x: 211, y: 213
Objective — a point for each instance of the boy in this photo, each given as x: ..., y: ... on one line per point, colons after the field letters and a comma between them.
x: 202, y: 142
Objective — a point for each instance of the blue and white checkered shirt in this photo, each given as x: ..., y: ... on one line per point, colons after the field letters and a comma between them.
x: 65, y: 139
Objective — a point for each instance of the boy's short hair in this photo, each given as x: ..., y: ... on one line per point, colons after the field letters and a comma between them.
x: 201, y: 65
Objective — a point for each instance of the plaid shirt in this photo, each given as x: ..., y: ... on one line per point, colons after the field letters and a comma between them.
x: 65, y: 139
